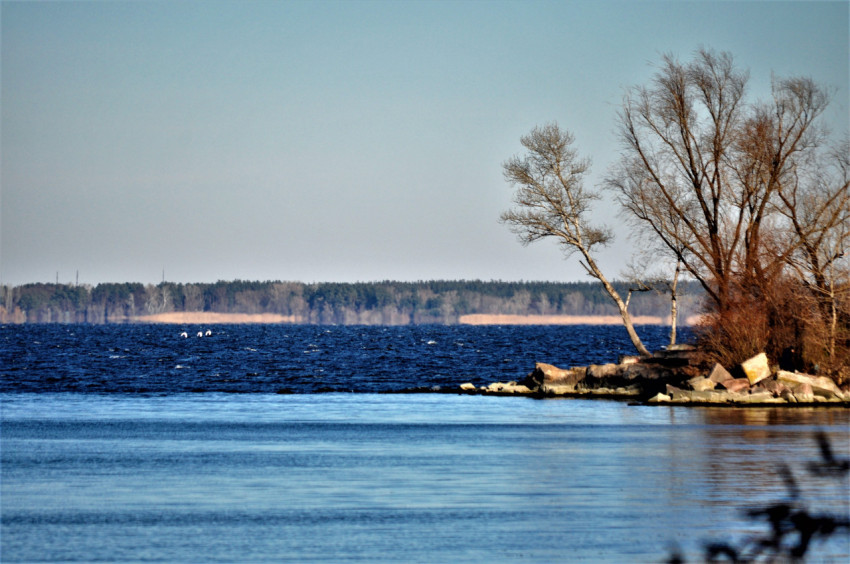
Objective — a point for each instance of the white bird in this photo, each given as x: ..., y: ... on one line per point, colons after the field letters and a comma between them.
x: 184, y: 334
x: 208, y: 333
x: 200, y: 334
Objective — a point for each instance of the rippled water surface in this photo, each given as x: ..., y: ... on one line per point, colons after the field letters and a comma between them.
x: 179, y: 476
x: 286, y: 358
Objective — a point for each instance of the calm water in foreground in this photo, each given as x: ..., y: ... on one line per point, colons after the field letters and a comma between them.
x: 167, y: 474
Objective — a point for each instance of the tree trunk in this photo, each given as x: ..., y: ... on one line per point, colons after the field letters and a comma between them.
x: 674, y: 306
x: 833, y: 325
x: 594, y: 271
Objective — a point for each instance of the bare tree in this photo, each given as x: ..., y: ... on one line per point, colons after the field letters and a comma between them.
x: 642, y: 278
x: 816, y: 203
x: 734, y: 191
x: 675, y: 176
x: 551, y: 201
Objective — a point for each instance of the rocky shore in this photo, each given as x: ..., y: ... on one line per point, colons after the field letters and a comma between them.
x: 673, y: 377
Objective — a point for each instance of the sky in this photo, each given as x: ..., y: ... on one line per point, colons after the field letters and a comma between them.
x: 335, y: 141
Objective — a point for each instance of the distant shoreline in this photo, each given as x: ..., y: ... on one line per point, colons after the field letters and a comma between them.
x: 363, y: 303
x: 500, y: 319
x: 211, y: 318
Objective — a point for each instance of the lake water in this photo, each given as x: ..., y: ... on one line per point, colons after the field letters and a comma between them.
x: 110, y: 452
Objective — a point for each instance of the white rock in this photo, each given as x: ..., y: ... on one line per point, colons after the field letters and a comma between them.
x: 700, y: 384
x: 756, y: 368
x: 719, y: 374
x: 819, y: 385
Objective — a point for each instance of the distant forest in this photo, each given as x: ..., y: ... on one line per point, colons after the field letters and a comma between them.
x: 366, y: 303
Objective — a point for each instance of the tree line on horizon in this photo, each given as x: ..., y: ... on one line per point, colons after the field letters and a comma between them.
x: 366, y: 303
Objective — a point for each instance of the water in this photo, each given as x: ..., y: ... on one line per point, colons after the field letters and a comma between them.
x: 299, y: 359
x: 144, y: 468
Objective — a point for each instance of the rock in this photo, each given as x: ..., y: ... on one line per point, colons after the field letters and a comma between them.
x: 774, y: 386
x: 756, y: 368
x: 675, y: 355
x: 774, y: 401
x: 678, y: 394
x: 550, y: 373
x: 557, y: 390
x: 467, y: 387
x: 719, y: 374
x: 820, y: 385
x: 804, y: 393
x: 518, y: 389
x: 700, y: 384
x: 736, y: 385
x: 602, y: 371
x: 628, y: 359
x: 758, y: 397
x: 547, y: 376
x: 644, y: 371
x: 660, y: 398
x: 628, y: 391
x: 508, y: 388
x: 709, y: 396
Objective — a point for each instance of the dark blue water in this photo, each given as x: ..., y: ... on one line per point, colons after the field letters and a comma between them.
x: 296, y: 359
x: 111, y: 453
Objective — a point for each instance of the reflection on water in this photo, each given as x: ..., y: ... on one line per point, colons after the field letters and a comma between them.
x: 344, y: 477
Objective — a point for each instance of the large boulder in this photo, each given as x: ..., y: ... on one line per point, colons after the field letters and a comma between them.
x: 549, y: 374
x: 649, y: 378
x: 736, y: 385
x: 756, y: 369
x: 719, y: 374
x: 660, y: 398
x: 775, y: 387
x: 551, y: 379
x: 700, y: 384
x: 677, y: 352
x: 604, y: 371
x: 642, y: 371
x: 804, y: 393
x: 820, y: 385
x: 600, y: 376
x: 678, y: 395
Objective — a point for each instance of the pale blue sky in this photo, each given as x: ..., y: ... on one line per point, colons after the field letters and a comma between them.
x: 333, y: 141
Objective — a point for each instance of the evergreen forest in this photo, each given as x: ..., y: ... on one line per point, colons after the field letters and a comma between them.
x: 360, y: 303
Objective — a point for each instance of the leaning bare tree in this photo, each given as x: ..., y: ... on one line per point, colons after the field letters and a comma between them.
x: 551, y: 201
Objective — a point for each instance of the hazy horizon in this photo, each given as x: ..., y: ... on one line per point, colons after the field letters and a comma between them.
x: 334, y: 141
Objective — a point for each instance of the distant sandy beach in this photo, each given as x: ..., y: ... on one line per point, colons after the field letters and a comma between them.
x: 210, y: 318
x: 490, y: 319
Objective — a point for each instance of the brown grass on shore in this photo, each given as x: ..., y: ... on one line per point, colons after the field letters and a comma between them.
x: 210, y: 318
x: 498, y: 319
